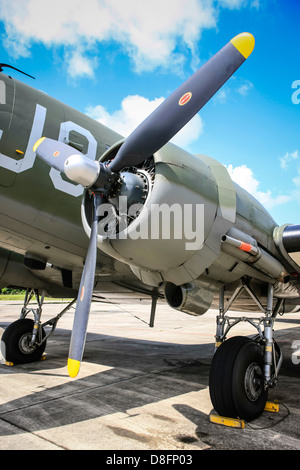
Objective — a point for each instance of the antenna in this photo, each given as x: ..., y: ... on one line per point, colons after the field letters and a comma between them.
x: 18, y: 70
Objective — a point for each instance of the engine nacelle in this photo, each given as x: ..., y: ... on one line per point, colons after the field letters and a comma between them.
x: 180, y: 205
x: 287, y: 240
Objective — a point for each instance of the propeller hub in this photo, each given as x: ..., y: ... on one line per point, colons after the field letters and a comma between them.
x: 80, y: 169
x: 123, y: 203
x: 134, y: 186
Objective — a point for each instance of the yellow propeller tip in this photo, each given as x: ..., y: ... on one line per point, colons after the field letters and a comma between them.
x: 244, y: 43
x: 73, y: 367
x: 38, y: 142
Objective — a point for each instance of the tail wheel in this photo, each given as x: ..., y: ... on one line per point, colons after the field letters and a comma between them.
x: 15, y: 343
x: 236, y: 380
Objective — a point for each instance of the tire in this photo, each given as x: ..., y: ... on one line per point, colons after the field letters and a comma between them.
x: 236, y: 379
x: 14, y: 343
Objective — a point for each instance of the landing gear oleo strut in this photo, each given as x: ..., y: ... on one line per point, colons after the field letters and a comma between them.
x: 24, y: 340
x: 243, y: 369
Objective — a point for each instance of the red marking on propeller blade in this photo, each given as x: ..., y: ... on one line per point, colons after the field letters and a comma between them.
x: 82, y: 294
x: 185, y: 99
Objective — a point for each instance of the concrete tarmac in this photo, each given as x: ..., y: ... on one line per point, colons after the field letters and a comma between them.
x: 138, y: 388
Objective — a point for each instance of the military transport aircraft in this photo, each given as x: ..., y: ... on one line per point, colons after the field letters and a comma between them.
x: 89, y: 215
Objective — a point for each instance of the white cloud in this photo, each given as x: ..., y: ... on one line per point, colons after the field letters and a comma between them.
x: 244, y: 88
x: 296, y: 180
x: 234, y: 85
x: 287, y: 158
x: 221, y: 96
x: 232, y: 4
x: 255, y: 4
x: 134, y: 109
x: 149, y: 31
x: 244, y: 177
x: 80, y: 65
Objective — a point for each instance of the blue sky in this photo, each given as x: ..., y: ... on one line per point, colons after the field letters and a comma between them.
x: 117, y: 59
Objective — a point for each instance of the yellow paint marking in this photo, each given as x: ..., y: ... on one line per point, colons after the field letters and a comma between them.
x: 73, y: 367
x: 244, y: 43
x: 38, y: 142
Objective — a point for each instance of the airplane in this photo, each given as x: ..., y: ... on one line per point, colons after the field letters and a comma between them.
x: 84, y: 210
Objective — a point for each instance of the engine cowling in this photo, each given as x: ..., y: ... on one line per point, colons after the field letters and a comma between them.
x: 176, y: 213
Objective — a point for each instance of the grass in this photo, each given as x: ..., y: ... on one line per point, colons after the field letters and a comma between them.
x: 11, y: 297
x: 21, y: 297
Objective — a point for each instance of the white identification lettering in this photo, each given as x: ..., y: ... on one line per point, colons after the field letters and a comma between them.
x: 37, y: 130
x: 27, y: 162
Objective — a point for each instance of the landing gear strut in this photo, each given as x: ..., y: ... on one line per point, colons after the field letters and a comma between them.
x: 243, y: 369
x: 24, y: 340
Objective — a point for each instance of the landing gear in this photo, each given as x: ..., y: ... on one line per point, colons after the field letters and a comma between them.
x: 243, y: 369
x: 17, y: 346
x: 24, y: 340
x: 236, y: 379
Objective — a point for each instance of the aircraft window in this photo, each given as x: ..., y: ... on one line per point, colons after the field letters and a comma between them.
x: 2, y: 92
x: 78, y: 141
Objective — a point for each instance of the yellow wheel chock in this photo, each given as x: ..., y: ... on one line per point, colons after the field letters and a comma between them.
x: 240, y: 423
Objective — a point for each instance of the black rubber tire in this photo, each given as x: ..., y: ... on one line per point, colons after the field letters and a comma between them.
x: 232, y: 390
x: 13, y: 338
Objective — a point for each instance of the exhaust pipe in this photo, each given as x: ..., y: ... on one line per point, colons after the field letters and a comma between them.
x: 256, y: 256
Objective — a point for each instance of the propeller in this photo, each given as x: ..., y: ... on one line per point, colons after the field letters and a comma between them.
x: 152, y: 134
x: 85, y: 294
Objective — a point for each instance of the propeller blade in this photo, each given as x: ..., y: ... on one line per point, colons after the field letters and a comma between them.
x: 159, y: 127
x: 53, y: 152
x: 76, y: 166
x: 84, y: 298
x: 179, y: 108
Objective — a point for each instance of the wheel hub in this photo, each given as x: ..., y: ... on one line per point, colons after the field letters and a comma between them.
x: 25, y: 344
x: 253, y: 381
